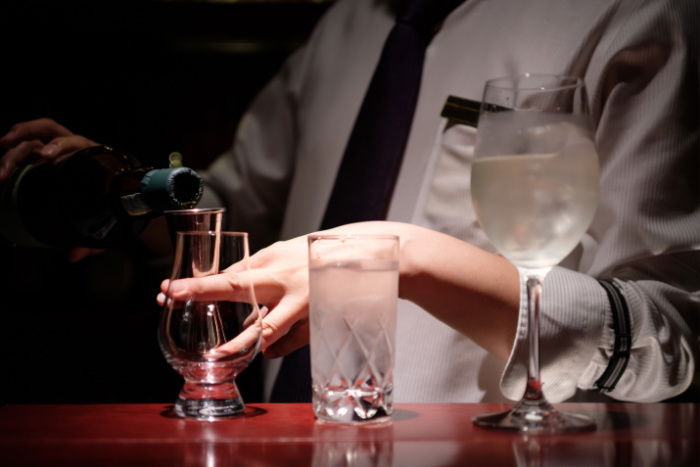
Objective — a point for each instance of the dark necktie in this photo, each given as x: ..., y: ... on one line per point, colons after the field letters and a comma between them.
x: 372, y: 158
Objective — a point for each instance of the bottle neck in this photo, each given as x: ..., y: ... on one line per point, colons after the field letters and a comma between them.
x: 96, y: 197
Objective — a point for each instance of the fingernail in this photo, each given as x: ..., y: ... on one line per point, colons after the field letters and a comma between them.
x: 49, y: 150
x: 160, y: 298
x: 177, y: 290
x: 8, y: 136
x: 266, y: 332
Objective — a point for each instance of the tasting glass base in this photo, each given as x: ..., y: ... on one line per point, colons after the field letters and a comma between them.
x: 535, y: 418
x: 209, y: 401
x: 209, y: 409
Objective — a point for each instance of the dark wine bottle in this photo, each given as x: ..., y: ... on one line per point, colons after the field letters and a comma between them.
x: 98, y: 197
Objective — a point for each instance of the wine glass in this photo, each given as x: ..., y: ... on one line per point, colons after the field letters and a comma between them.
x: 534, y: 186
x: 210, y: 342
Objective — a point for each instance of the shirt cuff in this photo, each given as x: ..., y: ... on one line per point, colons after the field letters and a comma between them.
x: 575, y: 323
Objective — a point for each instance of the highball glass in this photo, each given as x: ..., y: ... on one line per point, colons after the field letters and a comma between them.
x: 353, y: 289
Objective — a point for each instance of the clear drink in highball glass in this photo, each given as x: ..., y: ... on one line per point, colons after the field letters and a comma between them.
x: 534, y: 186
x: 353, y: 290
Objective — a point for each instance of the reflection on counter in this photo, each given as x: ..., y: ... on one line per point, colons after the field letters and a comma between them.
x: 602, y: 448
x: 344, y: 445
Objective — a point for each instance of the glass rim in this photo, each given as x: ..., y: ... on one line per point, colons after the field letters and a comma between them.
x: 562, y: 81
x: 358, y: 236
x: 193, y: 211
x: 210, y: 233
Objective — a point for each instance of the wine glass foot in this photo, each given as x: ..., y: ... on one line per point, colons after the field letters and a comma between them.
x: 534, y: 419
x: 209, y: 409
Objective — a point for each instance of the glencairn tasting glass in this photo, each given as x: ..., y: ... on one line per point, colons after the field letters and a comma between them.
x: 534, y: 187
x: 210, y: 342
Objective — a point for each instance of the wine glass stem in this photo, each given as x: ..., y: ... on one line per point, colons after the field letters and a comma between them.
x: 533, y: 284
x: 533, y: 413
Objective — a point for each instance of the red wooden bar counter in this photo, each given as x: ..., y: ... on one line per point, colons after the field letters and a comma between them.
x: 287, y: 434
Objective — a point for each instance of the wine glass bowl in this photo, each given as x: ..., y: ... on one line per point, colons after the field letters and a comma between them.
x: 534, y: 185
x: 210, y: 342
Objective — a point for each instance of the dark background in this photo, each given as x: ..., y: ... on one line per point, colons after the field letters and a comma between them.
x: 148, y: 77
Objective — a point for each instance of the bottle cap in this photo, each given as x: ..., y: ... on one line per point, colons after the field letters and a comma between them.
x: 174, y: 188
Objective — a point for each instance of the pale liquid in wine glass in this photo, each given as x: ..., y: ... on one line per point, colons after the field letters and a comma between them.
x: 536, y: 207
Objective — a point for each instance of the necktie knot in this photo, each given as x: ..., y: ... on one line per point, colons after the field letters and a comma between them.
x: 370, y: 165
x: 425, y: 15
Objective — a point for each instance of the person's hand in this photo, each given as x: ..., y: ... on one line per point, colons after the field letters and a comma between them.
x: 36, y: 140
x: 279, y: 276
x: 42, y: 139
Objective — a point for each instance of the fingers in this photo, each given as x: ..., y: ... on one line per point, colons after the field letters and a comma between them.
x: 286, y: 310
x: 64, y: 146
x: 226, y: 286
x: 253, y: 317
x: 242, y: 343
x: 286, y: 316
x: 24, y: 151
x: 297, y: 337
x: 279, y: 277
x: 43, y: 129
x: 230, y: 286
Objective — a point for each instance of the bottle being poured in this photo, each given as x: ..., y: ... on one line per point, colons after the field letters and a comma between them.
x: 96, y: 198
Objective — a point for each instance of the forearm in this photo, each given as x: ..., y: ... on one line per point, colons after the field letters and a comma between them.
x: 469, y: 289
x: 473, y: 291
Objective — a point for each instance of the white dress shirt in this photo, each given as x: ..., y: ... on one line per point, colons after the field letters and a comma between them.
x: 640, y: 64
